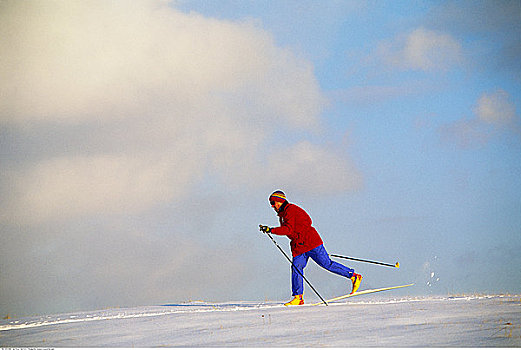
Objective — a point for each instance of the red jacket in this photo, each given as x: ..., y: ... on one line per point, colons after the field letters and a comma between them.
x: 296, y: 224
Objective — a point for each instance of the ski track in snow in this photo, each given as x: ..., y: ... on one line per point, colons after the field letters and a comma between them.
x: 492, y: 320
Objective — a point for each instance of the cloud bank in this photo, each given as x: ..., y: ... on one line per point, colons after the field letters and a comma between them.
x: 117, y: 110
x: 178, y: 95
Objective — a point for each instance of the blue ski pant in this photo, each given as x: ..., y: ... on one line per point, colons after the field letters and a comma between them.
x: 320, y: 256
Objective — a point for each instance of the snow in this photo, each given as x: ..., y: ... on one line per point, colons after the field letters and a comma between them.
x: 464, y: 321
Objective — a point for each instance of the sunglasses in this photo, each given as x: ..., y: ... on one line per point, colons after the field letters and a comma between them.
x: 272, y: 202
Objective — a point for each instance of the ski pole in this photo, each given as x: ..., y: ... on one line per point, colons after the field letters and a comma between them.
x: 397, y: 265
x: 293, y: 266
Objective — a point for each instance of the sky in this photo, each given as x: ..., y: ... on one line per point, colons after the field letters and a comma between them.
x: 140, y: 141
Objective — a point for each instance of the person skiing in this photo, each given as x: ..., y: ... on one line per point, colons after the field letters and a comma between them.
x: 305, y: 243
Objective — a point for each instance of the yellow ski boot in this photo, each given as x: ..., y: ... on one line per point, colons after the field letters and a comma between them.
x: 356, y: 279
x: 297, y: 300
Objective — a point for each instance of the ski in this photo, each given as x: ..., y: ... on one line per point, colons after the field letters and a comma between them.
x: 362, y: 292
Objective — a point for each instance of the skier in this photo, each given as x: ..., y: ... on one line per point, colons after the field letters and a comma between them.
x: 305, y: 243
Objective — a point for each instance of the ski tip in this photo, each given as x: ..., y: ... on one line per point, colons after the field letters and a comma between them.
x: 397, y: 265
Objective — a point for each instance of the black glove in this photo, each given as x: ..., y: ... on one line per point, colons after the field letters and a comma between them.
x: 264, y: 229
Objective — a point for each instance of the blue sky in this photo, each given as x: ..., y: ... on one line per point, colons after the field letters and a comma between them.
x: 140, y: 142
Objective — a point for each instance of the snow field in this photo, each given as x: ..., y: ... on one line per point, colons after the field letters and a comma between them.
x: 367, y: 322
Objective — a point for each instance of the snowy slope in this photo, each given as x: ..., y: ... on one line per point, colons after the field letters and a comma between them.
x: 433, y: 321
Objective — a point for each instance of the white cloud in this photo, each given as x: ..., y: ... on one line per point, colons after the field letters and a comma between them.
x: 495, y: 108
x: 76, y: 60
x: 494, y: 115
x: 494, y: 25
x: 422, y: 49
